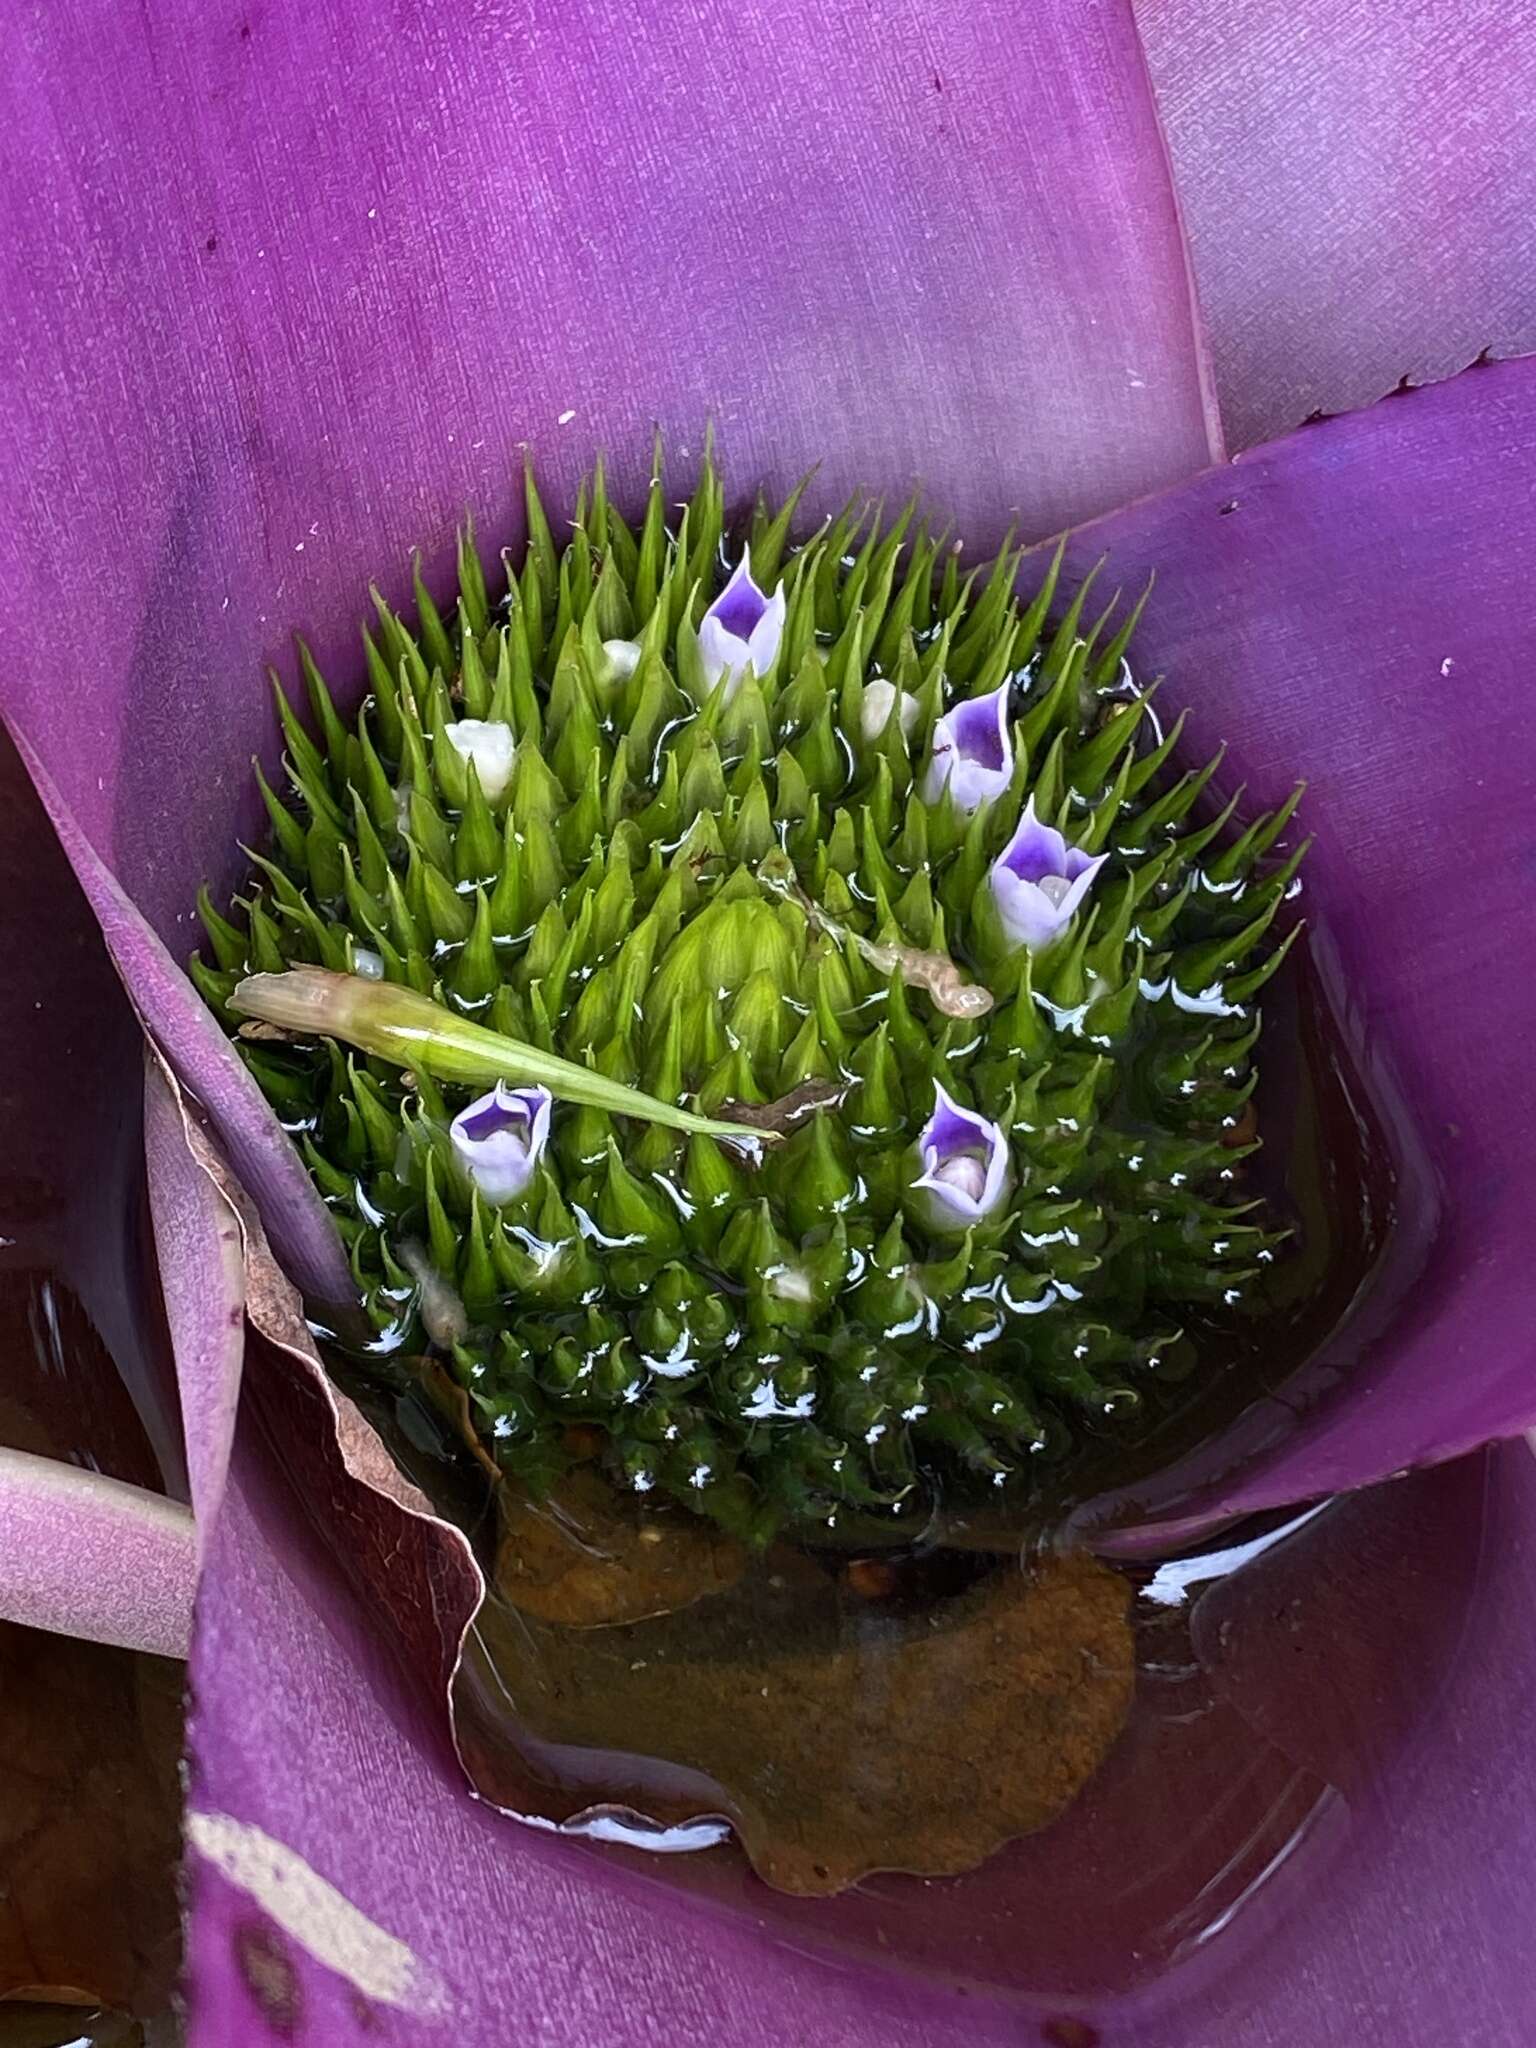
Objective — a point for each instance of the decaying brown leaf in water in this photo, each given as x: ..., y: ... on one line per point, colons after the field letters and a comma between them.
x: 584, y: 1558
x: 840, y: 1734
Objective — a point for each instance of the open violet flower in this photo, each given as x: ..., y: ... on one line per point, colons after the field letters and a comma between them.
x: 972, y: 753
x: 500, y: 1139
x: 964, y: 1161
x: 1039, y: 882
x: 741, y: 630
x: 863, y: 289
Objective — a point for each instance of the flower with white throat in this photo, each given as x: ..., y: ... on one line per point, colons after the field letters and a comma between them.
x: 1039, y: 882
x: 500, y: 1139
x: 742, y: 630
x: 965, y: 1167
x: 972, y: 753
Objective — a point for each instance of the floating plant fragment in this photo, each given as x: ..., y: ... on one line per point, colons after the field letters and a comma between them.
x: 730, y: 961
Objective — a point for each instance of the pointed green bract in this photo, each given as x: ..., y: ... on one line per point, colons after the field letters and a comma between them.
x: 715, y: 908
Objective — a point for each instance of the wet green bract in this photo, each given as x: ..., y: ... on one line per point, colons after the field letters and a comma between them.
x: 785, y: 1341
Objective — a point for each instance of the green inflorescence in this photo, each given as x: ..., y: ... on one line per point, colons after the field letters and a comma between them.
x: 779, y: 1340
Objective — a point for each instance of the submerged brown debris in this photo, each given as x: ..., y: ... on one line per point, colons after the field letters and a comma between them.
x: 841, y: 1734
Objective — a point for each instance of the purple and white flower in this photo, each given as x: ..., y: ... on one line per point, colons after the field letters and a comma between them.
x: 965, y: 1167
x: 742, y: 630
x: 1039, y: 882
x: 500, y: 1139
x: 972, y: 753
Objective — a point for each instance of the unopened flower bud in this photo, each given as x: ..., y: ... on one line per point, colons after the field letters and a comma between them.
x: 880, y: 698
x: 488, y: 742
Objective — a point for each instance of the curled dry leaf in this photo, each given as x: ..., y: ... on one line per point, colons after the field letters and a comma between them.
x: 414, y: 1566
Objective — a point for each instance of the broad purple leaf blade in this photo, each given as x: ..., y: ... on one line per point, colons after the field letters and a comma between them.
x: 1359, y: 188
x: 1351, y: 605
x: 1414, y: 1936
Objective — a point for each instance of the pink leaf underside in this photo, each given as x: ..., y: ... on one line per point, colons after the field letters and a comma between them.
x: 1359, y: 189
x: 94, y: 1557
x: 272, y: 345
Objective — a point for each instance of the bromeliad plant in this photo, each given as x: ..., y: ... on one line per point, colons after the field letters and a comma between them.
x: 767, y: 1004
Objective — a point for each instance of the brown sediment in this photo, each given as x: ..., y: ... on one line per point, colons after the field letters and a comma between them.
x: 585, y: 1558
x: 840, y: 1735
x: 871, y: 1578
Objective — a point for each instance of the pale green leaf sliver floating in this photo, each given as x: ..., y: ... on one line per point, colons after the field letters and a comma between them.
x: 411, y: 1031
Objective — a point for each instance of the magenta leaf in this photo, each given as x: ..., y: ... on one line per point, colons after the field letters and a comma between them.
x: 201, y: 1264
x: 1351, y: 605
x: 1359, y: 188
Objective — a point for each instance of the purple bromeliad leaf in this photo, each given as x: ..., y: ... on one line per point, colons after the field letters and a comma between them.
x: 349, y: 335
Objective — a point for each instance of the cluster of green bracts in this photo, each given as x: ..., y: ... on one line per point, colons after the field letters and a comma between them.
x: 845, y: 847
